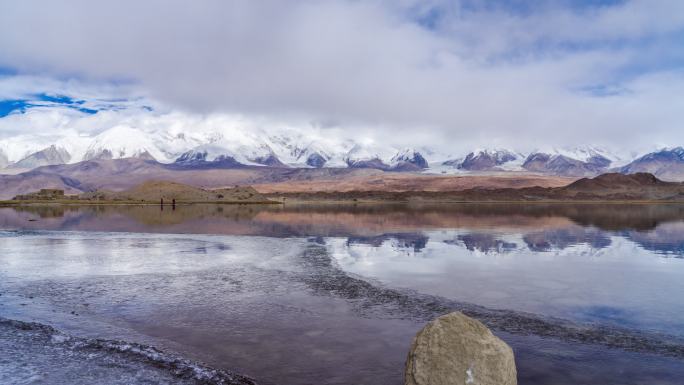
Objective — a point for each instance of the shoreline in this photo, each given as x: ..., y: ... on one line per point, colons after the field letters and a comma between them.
x: 109, y: 358
x: 344, y: 201
x: 435, y: 201
x: 18, y: 203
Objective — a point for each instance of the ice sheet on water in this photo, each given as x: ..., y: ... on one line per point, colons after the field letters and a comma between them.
x: 33, y: 353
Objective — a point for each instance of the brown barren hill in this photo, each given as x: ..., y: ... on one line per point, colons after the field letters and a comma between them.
x: 399, y: 182
x: 613, y: 181
x: 607, y: 187
x: 154, y: 191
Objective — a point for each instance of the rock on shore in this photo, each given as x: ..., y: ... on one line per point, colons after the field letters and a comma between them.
x: 456, y: 349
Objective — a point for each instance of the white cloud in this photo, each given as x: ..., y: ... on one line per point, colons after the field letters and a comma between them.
x: 481, y: 75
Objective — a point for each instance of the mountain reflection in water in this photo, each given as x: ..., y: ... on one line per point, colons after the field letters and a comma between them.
x: 333, y: 294
x: 657, y: 228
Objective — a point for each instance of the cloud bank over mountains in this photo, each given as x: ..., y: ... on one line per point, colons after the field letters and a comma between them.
x: 448, y: 74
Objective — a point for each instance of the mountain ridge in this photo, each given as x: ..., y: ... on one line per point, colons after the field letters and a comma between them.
x: 121, y: 174
x: 245, y: 147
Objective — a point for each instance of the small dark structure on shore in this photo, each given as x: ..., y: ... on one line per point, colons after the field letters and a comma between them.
x: 173, y: 204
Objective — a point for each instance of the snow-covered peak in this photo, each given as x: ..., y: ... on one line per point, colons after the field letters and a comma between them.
x: 678, y: 151
x: 404, y: 155
x: 4, y: 162
x: 124, y: 142
x: 485, y: 159
x: 368, y: 152
x: 312, y: 155
x: 587, y: 154
x: 409, y: 156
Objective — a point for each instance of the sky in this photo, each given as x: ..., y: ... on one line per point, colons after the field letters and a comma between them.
x: 452, y: 74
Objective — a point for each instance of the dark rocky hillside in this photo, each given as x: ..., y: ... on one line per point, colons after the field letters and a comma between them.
x: 563, y: 165
x: 666, y: 164
x: 486, y: 160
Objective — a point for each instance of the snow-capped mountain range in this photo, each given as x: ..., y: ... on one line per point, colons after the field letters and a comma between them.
x: 237, y: 146
x: 232, y: 145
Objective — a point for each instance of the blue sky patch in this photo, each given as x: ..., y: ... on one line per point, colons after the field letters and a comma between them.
x: 58, y: 99
x: 9, y: 106
x: 42, y: 100
x: 6, y: 71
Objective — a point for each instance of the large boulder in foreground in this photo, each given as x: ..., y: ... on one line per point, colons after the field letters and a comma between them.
x: 456, y: 349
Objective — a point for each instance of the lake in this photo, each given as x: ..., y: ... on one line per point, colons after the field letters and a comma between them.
x: 333, y: 294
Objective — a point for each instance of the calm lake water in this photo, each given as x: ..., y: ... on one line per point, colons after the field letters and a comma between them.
x: 585, y: 294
